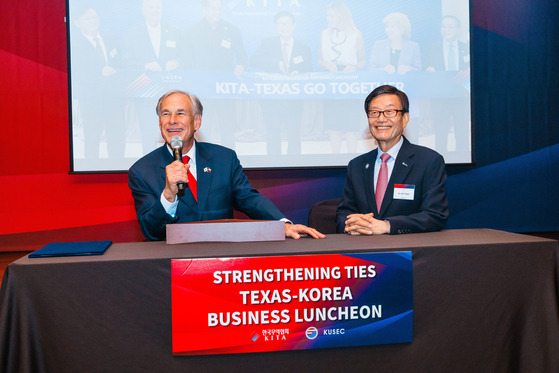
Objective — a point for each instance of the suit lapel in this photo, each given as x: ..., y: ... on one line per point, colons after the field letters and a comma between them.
x: 204, y: 176
x: 369, y: 179
x: 166, y: 159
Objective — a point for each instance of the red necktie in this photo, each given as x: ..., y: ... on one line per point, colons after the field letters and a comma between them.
x: 191, y: 180
x: 382, y: 180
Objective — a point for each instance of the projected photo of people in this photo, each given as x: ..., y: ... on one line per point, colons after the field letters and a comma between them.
x: 98, y: 87
x: 283, y: 54
x: 282, y: 81
x: 342, y: 50
x: 450, y: 116
x: 396, y: 53
x: 213, y: 44
x: 341, y: 44
x: 151, y: 50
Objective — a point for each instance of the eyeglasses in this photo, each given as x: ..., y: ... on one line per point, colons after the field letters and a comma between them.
x: 390, y: 113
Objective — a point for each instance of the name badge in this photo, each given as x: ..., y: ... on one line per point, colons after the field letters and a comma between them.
x: 171, y: 44
x: 226, y: 44
x: 404, y: 191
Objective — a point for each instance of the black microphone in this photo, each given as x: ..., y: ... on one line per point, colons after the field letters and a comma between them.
x: 176, y: 145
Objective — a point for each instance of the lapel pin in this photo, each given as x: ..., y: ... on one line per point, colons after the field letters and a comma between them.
x: 405, y: 164
x: 207, y: 169
x: 366, y: 166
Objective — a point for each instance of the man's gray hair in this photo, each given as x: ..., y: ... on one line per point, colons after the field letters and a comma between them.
x: 197, y: 107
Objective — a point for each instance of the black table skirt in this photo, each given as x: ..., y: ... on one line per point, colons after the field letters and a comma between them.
x: 484, y: 301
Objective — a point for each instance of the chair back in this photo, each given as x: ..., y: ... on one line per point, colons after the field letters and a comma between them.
x: 322, y: 215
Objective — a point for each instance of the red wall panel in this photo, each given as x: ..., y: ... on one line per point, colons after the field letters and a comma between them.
x: 40, y: 201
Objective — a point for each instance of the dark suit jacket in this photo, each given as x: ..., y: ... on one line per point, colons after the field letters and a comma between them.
x: 269, y: 54
x: 87, y: 69
x: 222, y: 187
x: 138, y: 51
x: 214, y: 49
x: 415, y: 165
x: 435, y: 56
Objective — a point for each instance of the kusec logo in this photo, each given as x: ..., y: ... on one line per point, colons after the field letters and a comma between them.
x: 312, y: 332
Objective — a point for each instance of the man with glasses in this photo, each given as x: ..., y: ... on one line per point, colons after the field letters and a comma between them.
x: 215, y: 180
x: 399, y: 187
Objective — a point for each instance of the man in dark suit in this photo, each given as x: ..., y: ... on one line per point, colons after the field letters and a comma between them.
x: 451, y: 55
x: 218, y: 43
x: 414, y: 176
x: 439, y: 56
x: 221, y: 184
x: 98, y: 85
x: 152, y: 46
x: 151, y: 51
x: 283, y: 54
x: 213, y: 44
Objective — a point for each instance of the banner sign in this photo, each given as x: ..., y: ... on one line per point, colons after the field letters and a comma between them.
x: 256, y: 304
x: 307, y: 86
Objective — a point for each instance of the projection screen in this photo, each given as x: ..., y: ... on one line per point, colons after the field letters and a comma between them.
x: 282, y: 81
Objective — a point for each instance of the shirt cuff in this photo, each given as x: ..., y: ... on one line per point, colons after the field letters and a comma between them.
x: 169, y: 207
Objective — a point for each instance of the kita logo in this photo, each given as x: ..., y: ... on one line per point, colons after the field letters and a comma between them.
x: 312, y: 332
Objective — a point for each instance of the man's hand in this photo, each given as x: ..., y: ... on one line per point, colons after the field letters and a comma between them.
x: 153, y: 66
x: 331, y: 66
x: 239, y: 70
x: 172, y: 65
x: 391, y: 69
x: 402, y: 69
x: 358, y: 224
x: 174, y: 172
x: 108, y: 71
x: 295, y: 231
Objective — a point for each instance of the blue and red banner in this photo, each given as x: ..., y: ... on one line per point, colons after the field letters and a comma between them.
x: 256, y: 304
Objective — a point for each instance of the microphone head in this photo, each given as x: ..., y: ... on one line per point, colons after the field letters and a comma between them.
x: 176, y: 142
